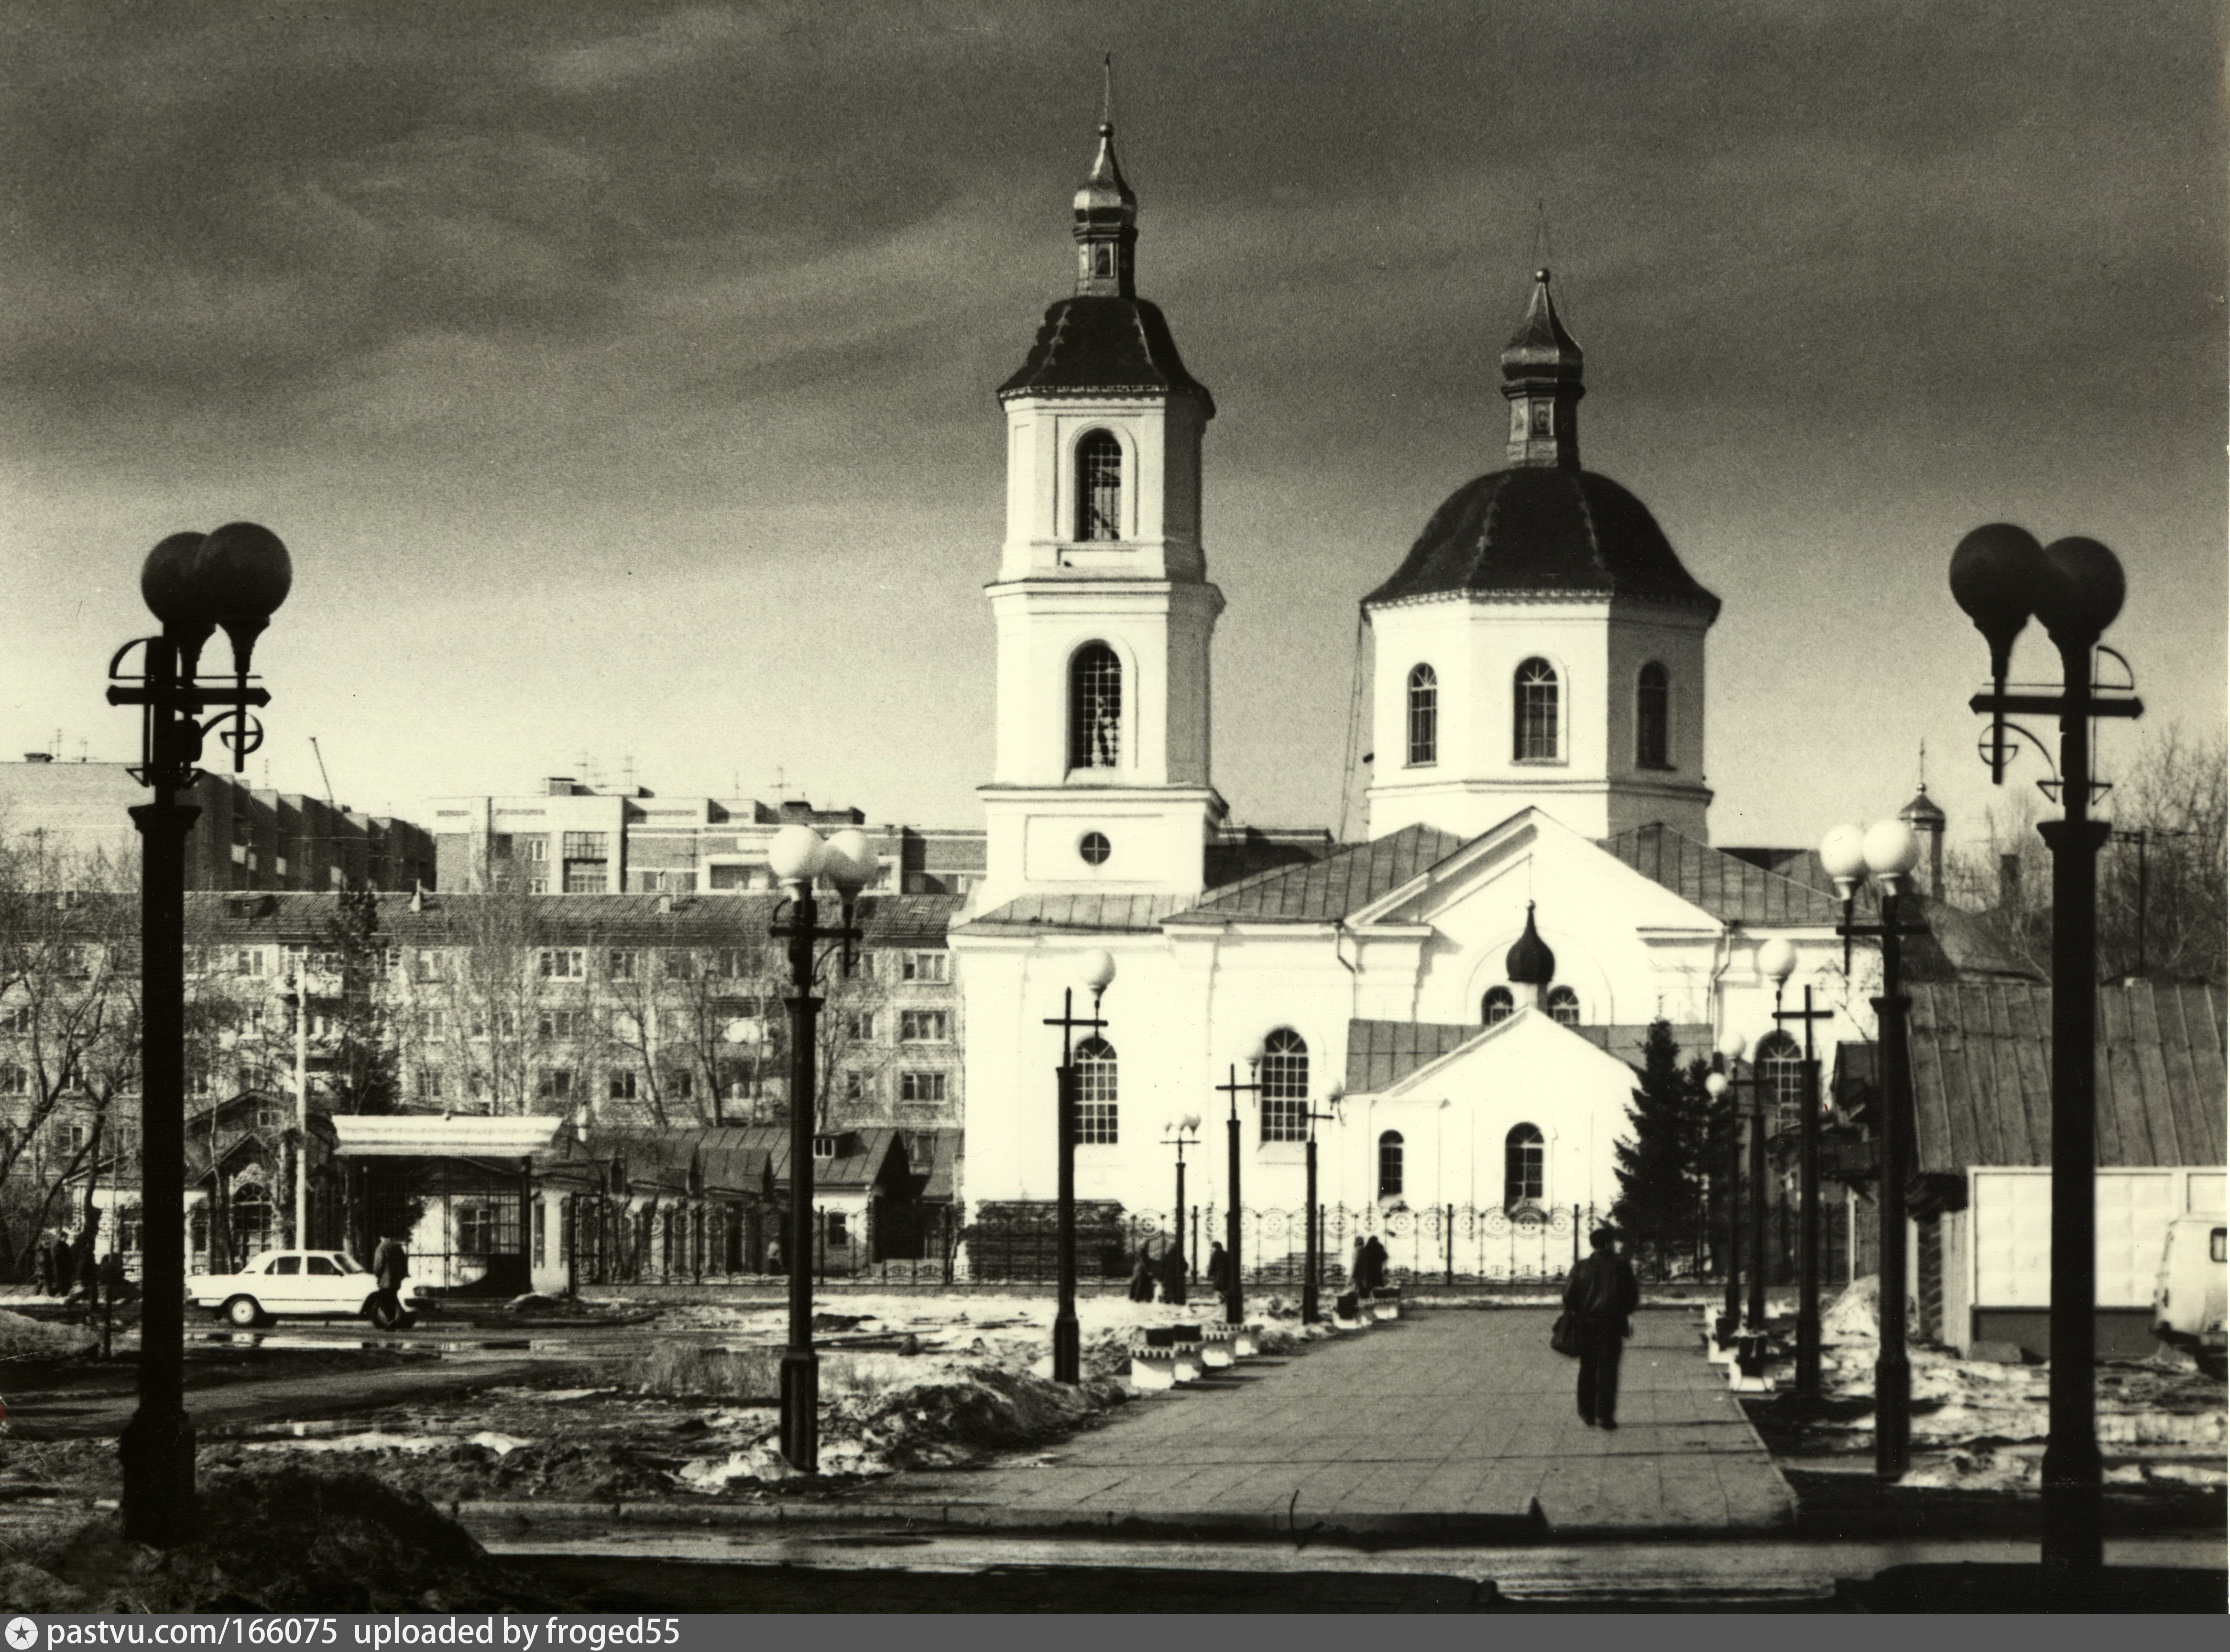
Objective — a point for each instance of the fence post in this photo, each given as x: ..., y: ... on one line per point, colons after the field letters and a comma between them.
x: 1575, y: 1236
x: 1449, y: 1274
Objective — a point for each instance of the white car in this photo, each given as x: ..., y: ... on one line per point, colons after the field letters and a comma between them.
x: 301, y: 1284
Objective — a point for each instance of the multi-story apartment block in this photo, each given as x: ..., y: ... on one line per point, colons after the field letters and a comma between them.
x: 245, y: 838
x: 573, y: 839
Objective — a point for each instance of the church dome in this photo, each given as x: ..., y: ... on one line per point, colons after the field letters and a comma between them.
x: 1544, y: 531
x: 1530, y: 962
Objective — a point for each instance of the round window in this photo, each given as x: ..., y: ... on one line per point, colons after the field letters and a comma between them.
x: 1094, y: 848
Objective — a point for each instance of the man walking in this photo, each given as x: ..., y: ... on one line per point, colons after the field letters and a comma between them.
x: 390, y: 1264
x: 1219, y: 1269
x: 1599, y: 1293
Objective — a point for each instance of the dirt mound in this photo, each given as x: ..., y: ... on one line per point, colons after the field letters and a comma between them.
x: 281, y: 1540
x: 22, y: 1338
x: 985, y: 1409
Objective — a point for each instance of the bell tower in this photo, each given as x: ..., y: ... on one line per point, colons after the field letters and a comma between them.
x: 1103, y: 605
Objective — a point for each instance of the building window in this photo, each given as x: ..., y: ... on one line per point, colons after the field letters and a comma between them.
x: 621, y: 966
x: 538, y: 885
x: 859, y: 1025
x: 680, y: 1084
x: 1498, y: 1005
x: 563, y: 1024
x: 1285, y: 1079
x: 857, y: 1086
x: 430, y: 1084
x: 1780, y: 1064
x: 584, y: 846
x: 1563, y: 1006
x: 622, y: 1084
x: 1536, y: 734
x: 1095, y: 1093
x: 557, y: 1085
x: 249, y: 960
x: 838, y: 1231
x: 924, y: 966
x: 1099, y: 486
x: 1095, y: 707
x: 922, y: 1026
x: 1522, y: 1153
x: 1094, y: 849
x: 921, y: 1087
x: 586, y: 877
x: 14, y: 1079
x: 1390, y: 1165
x: 1424, y: 717
x: 476, y: 1229
x: 537, y: 849
x: 1652, y: 718
x: 565, y: 963
x: 733, y: 963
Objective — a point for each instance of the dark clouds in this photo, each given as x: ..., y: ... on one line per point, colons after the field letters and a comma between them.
x: 589, y: 295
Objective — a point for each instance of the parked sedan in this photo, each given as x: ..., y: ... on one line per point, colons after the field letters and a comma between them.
x: 301, y: 1284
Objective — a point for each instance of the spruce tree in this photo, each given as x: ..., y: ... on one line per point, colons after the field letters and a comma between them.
x: 1659, y: 1171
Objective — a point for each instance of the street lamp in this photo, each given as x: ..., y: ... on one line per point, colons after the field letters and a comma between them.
x: 234, y: 577
x: 1999, y: 577
x: 1888, y: 850
x: 1181, y: 1132
x: 1098, y: 970
x: 1311, y: 1254
x: 796, y: 856
x: 1728, y: 1053
x: 1776, y: 961
x: 1234, y: 1299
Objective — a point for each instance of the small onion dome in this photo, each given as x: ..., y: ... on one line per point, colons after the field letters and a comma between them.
x: 1530, y: 962
x: 1104, y: 195
x: 1541, y: 354
x: 1922, y: 814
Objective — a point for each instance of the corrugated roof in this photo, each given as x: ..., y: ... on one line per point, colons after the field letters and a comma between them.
x: 1322, y: 891
x: 1628, y: 1040
x: 1731, y: 890
x: 451, y: 919
x: 1981, y: 1066
x: 745, y: 1149
x: 1109, y: 913
x: 1383, y: 1053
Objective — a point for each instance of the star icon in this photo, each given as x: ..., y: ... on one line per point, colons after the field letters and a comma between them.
x: 23, y: 1634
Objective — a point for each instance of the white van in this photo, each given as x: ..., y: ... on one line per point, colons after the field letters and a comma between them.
x: 2188, y: 1301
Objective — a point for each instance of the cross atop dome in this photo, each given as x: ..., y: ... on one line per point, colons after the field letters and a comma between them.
x: 1541, y: 376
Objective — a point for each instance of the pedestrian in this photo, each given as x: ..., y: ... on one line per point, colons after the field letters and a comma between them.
x: 43, y: 1261
x: 58, y: 1285
x: 1219, y: 1269
x: 112, y: 1279
x: 1600, y: 1294
x: 1142, y: 1275
x: 1173, y: 1274
x: 776, y: 1262
x: 1374, y: 1262
x: 89, y: 1261
x: 390, y: 1264
x: 1357, y: 1271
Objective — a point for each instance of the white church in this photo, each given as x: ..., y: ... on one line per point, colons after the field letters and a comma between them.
x: 1458, y: 997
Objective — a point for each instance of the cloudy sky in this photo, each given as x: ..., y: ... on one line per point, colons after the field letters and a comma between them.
x: 621, y: 374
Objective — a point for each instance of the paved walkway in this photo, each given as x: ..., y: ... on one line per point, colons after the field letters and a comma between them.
x: 1458, y: 1422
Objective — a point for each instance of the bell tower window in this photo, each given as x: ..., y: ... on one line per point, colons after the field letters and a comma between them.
x: 1534, y: 739
x: 1095, y: 708
x: 1424, y: 717
x: 1652, y: 718
x: 1099, y: 486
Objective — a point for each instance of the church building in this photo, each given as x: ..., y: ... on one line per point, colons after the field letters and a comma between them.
x: 1451, y: 1004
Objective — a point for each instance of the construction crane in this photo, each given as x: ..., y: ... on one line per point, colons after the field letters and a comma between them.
x: 323, y: 776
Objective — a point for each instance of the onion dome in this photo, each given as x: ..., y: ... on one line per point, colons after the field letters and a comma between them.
x: 1105, y: 340
x: 1530, y: 962
x: 1922, y: 814
x: 1544, y: 527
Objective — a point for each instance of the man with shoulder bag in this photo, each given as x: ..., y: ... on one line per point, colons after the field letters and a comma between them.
x: 1599, y: 1296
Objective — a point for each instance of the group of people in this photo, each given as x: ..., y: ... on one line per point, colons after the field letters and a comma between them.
x: 65, y: 1267
x: 1163, y: 1279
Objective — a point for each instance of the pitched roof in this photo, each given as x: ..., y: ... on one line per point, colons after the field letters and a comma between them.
x: 1730, y: 889
x: 733, y: 1152
x: 1381, y: 1054
x: 1321, y: 891
x: 1628, y: 1040
x: 1102, y: 344
x: 1982, y: 1071
x: 1107, y: 913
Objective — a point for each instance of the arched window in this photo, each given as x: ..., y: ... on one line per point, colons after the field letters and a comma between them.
x: 1535, y: 737
x: 1095, y: 708
x: 1781, y: 1063
x: 1390, y: 1165
x: 1564, y: 1006
x: 1652, y: 718
x: 1095, y: 1093
x: 1285, y: 1081
x: 1099, y: 486
x: 1523, y: 1150
x: 1498, y: 1005
x: 1424, y: 717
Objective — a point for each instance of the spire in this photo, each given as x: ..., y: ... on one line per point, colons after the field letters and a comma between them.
x: 1540, y: 376
x: 1530, y: 962
x: 1106, y: 215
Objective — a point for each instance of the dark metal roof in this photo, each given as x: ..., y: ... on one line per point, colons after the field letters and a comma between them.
x: 1109, y: 913
x: 1982, y: 1071
x: 1321, y: 891
x: 731, y: 1152
x: 1105, y: 346
x: 1381, y: 1054
x: 1628, y: 1040
x: 1530, y: 962
x: 1731, y: 890
x: 447, y: 919
x: 1542, y: 529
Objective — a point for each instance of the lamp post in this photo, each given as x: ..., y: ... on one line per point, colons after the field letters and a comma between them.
x: 796, y: 856
x: 1731, y: 1047
x: 1777, y: 961
x: 1889, y: 851
x: 234, y: 577
x: 1099, y: 970
x: 1180, y: 1133
x: 1234, y: 1299
x: 1311, y: 1260
x: 1999, y: 577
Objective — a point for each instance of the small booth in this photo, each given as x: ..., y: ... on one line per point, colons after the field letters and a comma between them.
x: 458, y: 1191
